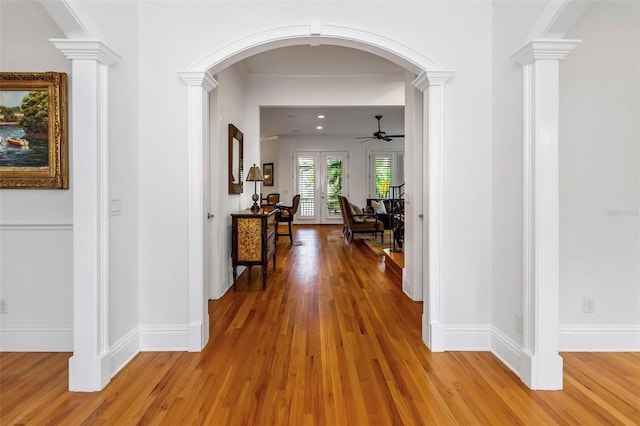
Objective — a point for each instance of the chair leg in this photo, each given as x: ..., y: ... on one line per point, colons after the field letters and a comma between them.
x: 290, y: 233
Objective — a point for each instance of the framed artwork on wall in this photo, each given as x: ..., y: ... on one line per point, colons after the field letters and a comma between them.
x: 267, y: 174
x: 33, y: 130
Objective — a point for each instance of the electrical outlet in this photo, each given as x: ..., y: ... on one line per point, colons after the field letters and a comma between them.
x: 588, y: 305
x: 3, y: 306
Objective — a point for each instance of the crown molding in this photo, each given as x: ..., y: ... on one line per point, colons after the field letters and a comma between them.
x: 432, y: 78
x: 544, y: 50
x: 398, y: 77
x: 95, y: 50
x: 198, y: 78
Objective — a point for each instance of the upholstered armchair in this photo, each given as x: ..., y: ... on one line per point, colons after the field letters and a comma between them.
x: 357, y: 222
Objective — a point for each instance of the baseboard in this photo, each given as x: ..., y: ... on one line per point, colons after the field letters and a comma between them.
x: 164, y: 337
x: 506, y: 350
x: 467, y: 337
x: 599, y: 338
x: 123, y: 351
x: 36, y: 339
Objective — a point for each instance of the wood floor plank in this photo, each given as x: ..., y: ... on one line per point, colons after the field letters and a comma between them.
x: 332, y: 341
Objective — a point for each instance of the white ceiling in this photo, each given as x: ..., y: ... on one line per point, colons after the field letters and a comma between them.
x: 349, y: 122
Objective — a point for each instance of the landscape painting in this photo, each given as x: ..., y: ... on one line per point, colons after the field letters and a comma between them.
x: 33, y: 130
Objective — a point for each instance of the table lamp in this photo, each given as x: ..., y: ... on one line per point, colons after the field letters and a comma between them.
x: 254, y: 176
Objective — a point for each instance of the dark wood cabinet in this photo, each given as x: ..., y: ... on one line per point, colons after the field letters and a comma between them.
x: 253, y: 240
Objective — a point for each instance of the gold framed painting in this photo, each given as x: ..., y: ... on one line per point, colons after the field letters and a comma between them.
x: 33, y: 130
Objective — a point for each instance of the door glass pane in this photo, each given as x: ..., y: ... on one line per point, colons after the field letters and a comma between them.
x: 334, y: 184
x: 306, y: 185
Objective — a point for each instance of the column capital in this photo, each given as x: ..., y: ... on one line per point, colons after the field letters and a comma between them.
x: 540, y: 49
x: 198, y: 78
x: 432, y: 78
x: 86, y: 49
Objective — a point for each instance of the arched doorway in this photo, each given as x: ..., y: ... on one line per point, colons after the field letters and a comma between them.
x: 429, y: 82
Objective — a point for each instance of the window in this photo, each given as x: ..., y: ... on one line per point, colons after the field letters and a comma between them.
x: 382, y: 176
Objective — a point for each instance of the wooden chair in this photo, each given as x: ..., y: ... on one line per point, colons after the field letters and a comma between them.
x: 285, y: 215
x: 359, y: 223
x: 271, y: 199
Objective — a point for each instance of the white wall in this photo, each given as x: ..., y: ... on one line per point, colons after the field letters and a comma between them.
x: 35, y: 225
x: 231, y: 110
x: 600, y: 180
x: 511, y: 23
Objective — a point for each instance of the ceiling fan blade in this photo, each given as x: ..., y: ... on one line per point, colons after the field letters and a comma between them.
x: 367, y: 140
x: 364, y: 137
x: 387, y: 138
x: 395, y: 136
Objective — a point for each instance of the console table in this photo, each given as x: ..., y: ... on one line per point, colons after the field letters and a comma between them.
x: 253, y: 240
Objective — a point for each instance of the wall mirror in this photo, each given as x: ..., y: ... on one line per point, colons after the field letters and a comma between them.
x: 236, y: 175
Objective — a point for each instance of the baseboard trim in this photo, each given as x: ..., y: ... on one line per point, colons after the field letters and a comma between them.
x: 36, y: 339
x: 507, y: 350
x: 124, y: 350
x: 599, y: 338
x: 467, y: 337
x: 164, y: 337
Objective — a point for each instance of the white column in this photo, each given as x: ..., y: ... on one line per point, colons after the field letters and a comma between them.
x: 432, y: 84
x: 199, y: 84
x: 541, y: 364
x: 89, y: 367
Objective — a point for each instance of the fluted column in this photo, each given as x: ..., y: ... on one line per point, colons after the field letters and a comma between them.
x: 89, y: 367
x: 199, y: 84
x: 541, y: 364
x: 431, y: 83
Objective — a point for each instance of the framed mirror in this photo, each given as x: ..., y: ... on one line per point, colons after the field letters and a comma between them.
x: 236, y: 174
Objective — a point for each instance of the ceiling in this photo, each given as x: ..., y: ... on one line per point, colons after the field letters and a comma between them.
x: 350, y: 121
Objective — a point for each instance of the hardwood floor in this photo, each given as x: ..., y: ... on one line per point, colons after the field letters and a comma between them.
x: 332, y: 341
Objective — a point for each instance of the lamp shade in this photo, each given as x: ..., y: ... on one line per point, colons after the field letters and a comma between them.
x: 254, y: 174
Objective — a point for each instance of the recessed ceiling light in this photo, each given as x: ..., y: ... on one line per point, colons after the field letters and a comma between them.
x: 318, y: 127
x: 321, y: 116
x: 295, y: 131
x: 291, y: 116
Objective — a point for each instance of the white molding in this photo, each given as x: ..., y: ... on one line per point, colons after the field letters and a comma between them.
x: 599, y: 338
x: 433, y: 204
x: 28, y: 225
x: 328, y: 78
x: 198, y: 86
x: 72, y: 18
x: 167, y: 337
x: 555, y: 50
x: 506, y: 350
x: 314, y: 33
x: 36, y: 338
x: 124, y: 350
x: 558, y: 18
x: 89, y: 367
x: 541, y: 365
x: 90, y: 50
x: 200, y: 79
x: 467, y: 337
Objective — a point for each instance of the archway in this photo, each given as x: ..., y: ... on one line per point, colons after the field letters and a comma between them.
x: 430, y: 81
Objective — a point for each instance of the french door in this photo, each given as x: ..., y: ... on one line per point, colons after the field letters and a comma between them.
x: 319, y: 178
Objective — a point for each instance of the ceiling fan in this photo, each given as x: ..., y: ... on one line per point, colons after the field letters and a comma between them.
x: 379, y: 134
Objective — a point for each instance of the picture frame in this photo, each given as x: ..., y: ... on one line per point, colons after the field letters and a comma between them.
x: 267, y: 174
x: 33, y: 130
